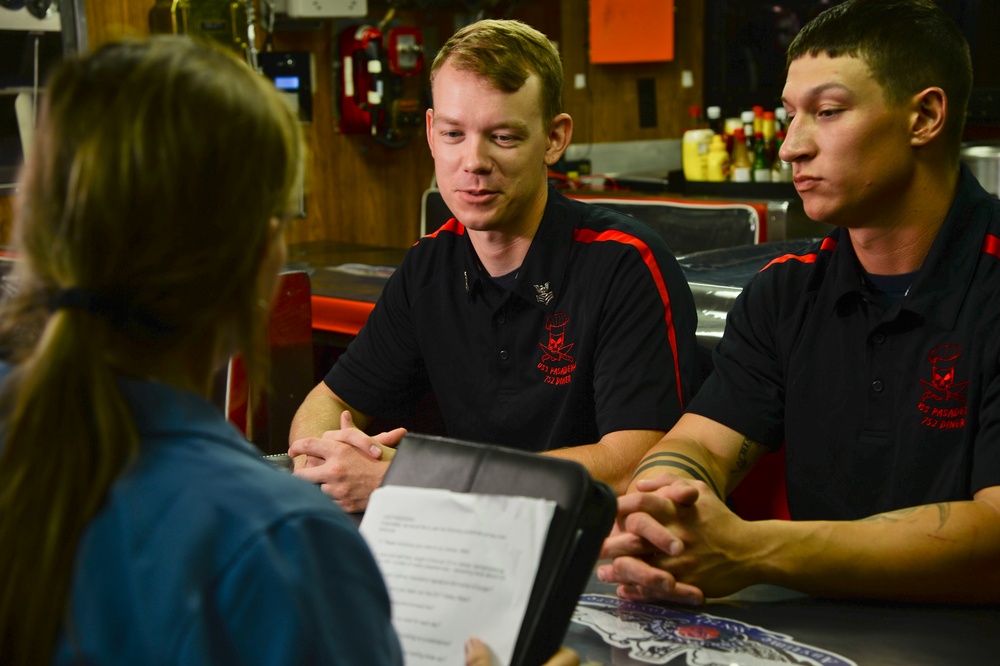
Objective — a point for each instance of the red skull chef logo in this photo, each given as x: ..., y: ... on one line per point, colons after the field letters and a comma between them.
x: 942, y: 385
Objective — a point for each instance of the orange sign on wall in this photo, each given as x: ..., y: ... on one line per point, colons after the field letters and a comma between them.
x: 631, y: 31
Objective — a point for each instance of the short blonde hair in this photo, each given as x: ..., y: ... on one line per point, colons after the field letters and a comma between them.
x: 507, y: 52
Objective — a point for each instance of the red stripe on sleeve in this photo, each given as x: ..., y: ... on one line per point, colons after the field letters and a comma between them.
x: 592, y: 236
x: 827, y: 245
x: 451, y: 226
x: 991, y: 245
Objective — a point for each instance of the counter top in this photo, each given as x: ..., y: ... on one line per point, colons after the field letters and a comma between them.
x: 765, y: 625
x: 346, y: 280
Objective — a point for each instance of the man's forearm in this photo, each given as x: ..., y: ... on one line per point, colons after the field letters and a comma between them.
x: 703, y: 450
x: 673, y: 462
x: 319, y: 412
x: 945, y: 552
x: 613, y: 459
x: 683, y: 458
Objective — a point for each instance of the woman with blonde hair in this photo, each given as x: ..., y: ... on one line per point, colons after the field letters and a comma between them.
x: 137, y: 526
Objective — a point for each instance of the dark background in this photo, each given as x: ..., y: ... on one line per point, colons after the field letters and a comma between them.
x: 745, y: 43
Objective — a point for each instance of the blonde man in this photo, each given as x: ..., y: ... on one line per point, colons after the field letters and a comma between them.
x: 539, y: 322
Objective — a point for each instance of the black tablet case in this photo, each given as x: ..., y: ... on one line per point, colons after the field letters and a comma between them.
x: 585, y: 512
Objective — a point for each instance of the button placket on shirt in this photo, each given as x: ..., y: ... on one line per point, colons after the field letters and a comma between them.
x: 879, y: 392
x: 502, y: 336
x: 879, y: 373
x: 877, y: 339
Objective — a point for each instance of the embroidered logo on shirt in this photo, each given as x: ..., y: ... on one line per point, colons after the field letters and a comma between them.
x: 556, y: 363
x: 943, y: 403
x: 543, y: 294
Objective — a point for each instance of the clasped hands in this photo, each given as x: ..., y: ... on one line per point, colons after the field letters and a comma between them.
x: 675, y: 540
x: 347, y: 464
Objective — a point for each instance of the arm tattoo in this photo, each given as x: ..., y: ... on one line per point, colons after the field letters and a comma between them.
x: 743, y: 461
x: 681, y: 462
x: 891, y: 516
x: 944, y: 512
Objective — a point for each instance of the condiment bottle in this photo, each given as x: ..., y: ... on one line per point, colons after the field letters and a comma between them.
x: 730, y: 130
x: 747, y: 118
x: 714, y: 115
x: 694, y: 153
x: 761, y: 165
x: 741, y: 163
x: 780, y: 119
x: 768, y: 130
x: 781, y: 171
x: 718, y: 160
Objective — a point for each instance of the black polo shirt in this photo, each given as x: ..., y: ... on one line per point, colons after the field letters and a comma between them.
x: 596, y: 335
x: 879, y: 409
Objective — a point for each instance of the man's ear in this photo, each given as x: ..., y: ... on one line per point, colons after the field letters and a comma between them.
x: 930, y: 110
x: 560, y: 134
x: 429, y: 119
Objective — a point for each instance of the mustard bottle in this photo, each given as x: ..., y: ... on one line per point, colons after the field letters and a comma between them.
x: 718, y: 160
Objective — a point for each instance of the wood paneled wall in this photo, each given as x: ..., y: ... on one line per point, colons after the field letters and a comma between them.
x: 607, y: 109
x: 114, y: 19
x: 359, y: 191
x: 6, y: 216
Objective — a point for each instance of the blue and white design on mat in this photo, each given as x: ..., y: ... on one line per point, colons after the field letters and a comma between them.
x: 657, y: 635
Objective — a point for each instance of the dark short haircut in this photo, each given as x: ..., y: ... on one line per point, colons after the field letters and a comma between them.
x: 507, y: 52
x: 909, y: 45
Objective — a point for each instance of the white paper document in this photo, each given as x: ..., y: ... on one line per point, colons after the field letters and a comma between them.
x: 457, y: 565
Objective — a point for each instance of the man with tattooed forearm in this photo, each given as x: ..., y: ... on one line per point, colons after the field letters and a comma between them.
x: 872, y: 356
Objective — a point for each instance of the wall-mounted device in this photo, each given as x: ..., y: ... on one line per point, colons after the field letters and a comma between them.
x: 371, y: 73
x: 292, y: 73
x: 360, y: 77
x: 223, y: 21
x: 323, y: 8
x: 31, y: 42
x: 405, y: 49
x: 21, y: 15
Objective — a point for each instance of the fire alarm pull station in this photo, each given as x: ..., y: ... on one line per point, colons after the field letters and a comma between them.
x: 406, y: 50
x: 372, y: 69
x: 326, y: 8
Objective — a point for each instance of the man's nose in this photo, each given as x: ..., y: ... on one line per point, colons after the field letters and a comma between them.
x: 798, y: 142
x: 477, y: 155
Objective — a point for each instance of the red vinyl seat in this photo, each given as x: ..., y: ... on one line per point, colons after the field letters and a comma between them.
x: 762, y: 493
x: 267, y: 422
